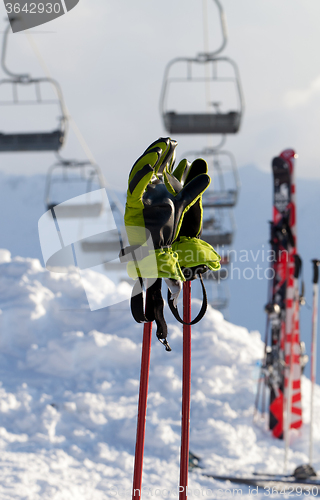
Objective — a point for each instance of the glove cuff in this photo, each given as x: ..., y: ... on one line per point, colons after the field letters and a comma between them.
x: 160, y: 263
x: 195, y: 252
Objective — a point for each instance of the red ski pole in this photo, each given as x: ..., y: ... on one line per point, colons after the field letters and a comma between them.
x: 315, y: 280
x: 186, y: 392
x: 142, y: 410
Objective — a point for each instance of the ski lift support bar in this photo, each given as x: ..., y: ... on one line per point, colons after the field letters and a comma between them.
x: 42, y: 141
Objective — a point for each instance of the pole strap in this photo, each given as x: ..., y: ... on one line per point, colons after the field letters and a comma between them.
x: 203, y: 309
x: 153, y: 308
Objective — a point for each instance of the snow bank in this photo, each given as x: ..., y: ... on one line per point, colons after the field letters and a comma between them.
x: 69, y: 389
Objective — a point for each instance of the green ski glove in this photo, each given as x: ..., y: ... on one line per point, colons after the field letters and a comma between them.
x: 153, y: 207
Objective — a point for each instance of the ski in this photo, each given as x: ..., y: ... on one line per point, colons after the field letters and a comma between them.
x: 275, y: 484
x: 281, y: 365
x: 304, y: 472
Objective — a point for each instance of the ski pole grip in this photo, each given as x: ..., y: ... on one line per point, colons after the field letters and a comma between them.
x: 316, y: 264
x: 297, y: 266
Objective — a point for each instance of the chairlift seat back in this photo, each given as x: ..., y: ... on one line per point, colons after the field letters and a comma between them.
x: 219, y: 304
x: 219, y: 199
x: 101, y: 243
x: 77, y: 211
x: 202, y: 123
x: 44, y: 141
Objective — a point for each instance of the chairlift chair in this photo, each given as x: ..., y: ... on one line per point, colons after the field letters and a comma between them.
x: 108, y: 242
x: 83, y: 172
x: 220, y: 300
x: 31, y: 141
x: 218, y: 227
x: 102, y: 243
x: 203, y: 121
x: 220, y: 194
x: 218, y: 294
x: 107, y: 245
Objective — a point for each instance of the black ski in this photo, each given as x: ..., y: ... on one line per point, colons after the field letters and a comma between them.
x: 280, y: 483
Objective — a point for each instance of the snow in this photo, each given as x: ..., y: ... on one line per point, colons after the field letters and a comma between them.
x: 69, y: 391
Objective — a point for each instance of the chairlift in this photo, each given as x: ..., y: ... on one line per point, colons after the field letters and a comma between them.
x: 109, y: 241
x: 220, y: 296
x: 224, y: 189
x: 202, y: 121
x: 31, y: 141
x: 81, y: 172
x: 102, y: 243
x: 218, y: 227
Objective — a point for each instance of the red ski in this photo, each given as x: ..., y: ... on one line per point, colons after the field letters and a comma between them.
x: 292, y: 349
x: 282, y: 363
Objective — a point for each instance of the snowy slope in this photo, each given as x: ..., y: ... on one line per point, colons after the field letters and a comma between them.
x: 69, y: 388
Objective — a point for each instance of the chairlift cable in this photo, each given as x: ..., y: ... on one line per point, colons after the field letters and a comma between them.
x: 223, y: 22
x: 206, y: 68
x: 206, y: 50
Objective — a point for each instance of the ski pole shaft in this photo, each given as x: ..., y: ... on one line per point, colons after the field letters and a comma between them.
x: 186, y: 392
x: 313, y: 348
x: 288, y: 392
x: 261, y: 379
x: 142, y: 410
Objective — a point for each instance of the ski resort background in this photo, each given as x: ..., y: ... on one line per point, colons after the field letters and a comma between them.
x: 38, y: 343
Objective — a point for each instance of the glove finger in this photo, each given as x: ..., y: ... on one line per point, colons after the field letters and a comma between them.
x: 158, y: 155
x: 174, y: 180
x: 192, y: 220
x: 149, y: 157
x: 138, y: 184
x: 191, y: 191
x: 197, y: 167
x: 167, y: 159
x: 188, y: 196
x: 181, y: 171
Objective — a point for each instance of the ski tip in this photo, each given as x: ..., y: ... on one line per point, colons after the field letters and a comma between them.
x: 304, y: 471
x: 279, y: 164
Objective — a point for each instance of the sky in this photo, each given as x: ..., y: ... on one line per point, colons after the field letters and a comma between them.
x: 109, y: 58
